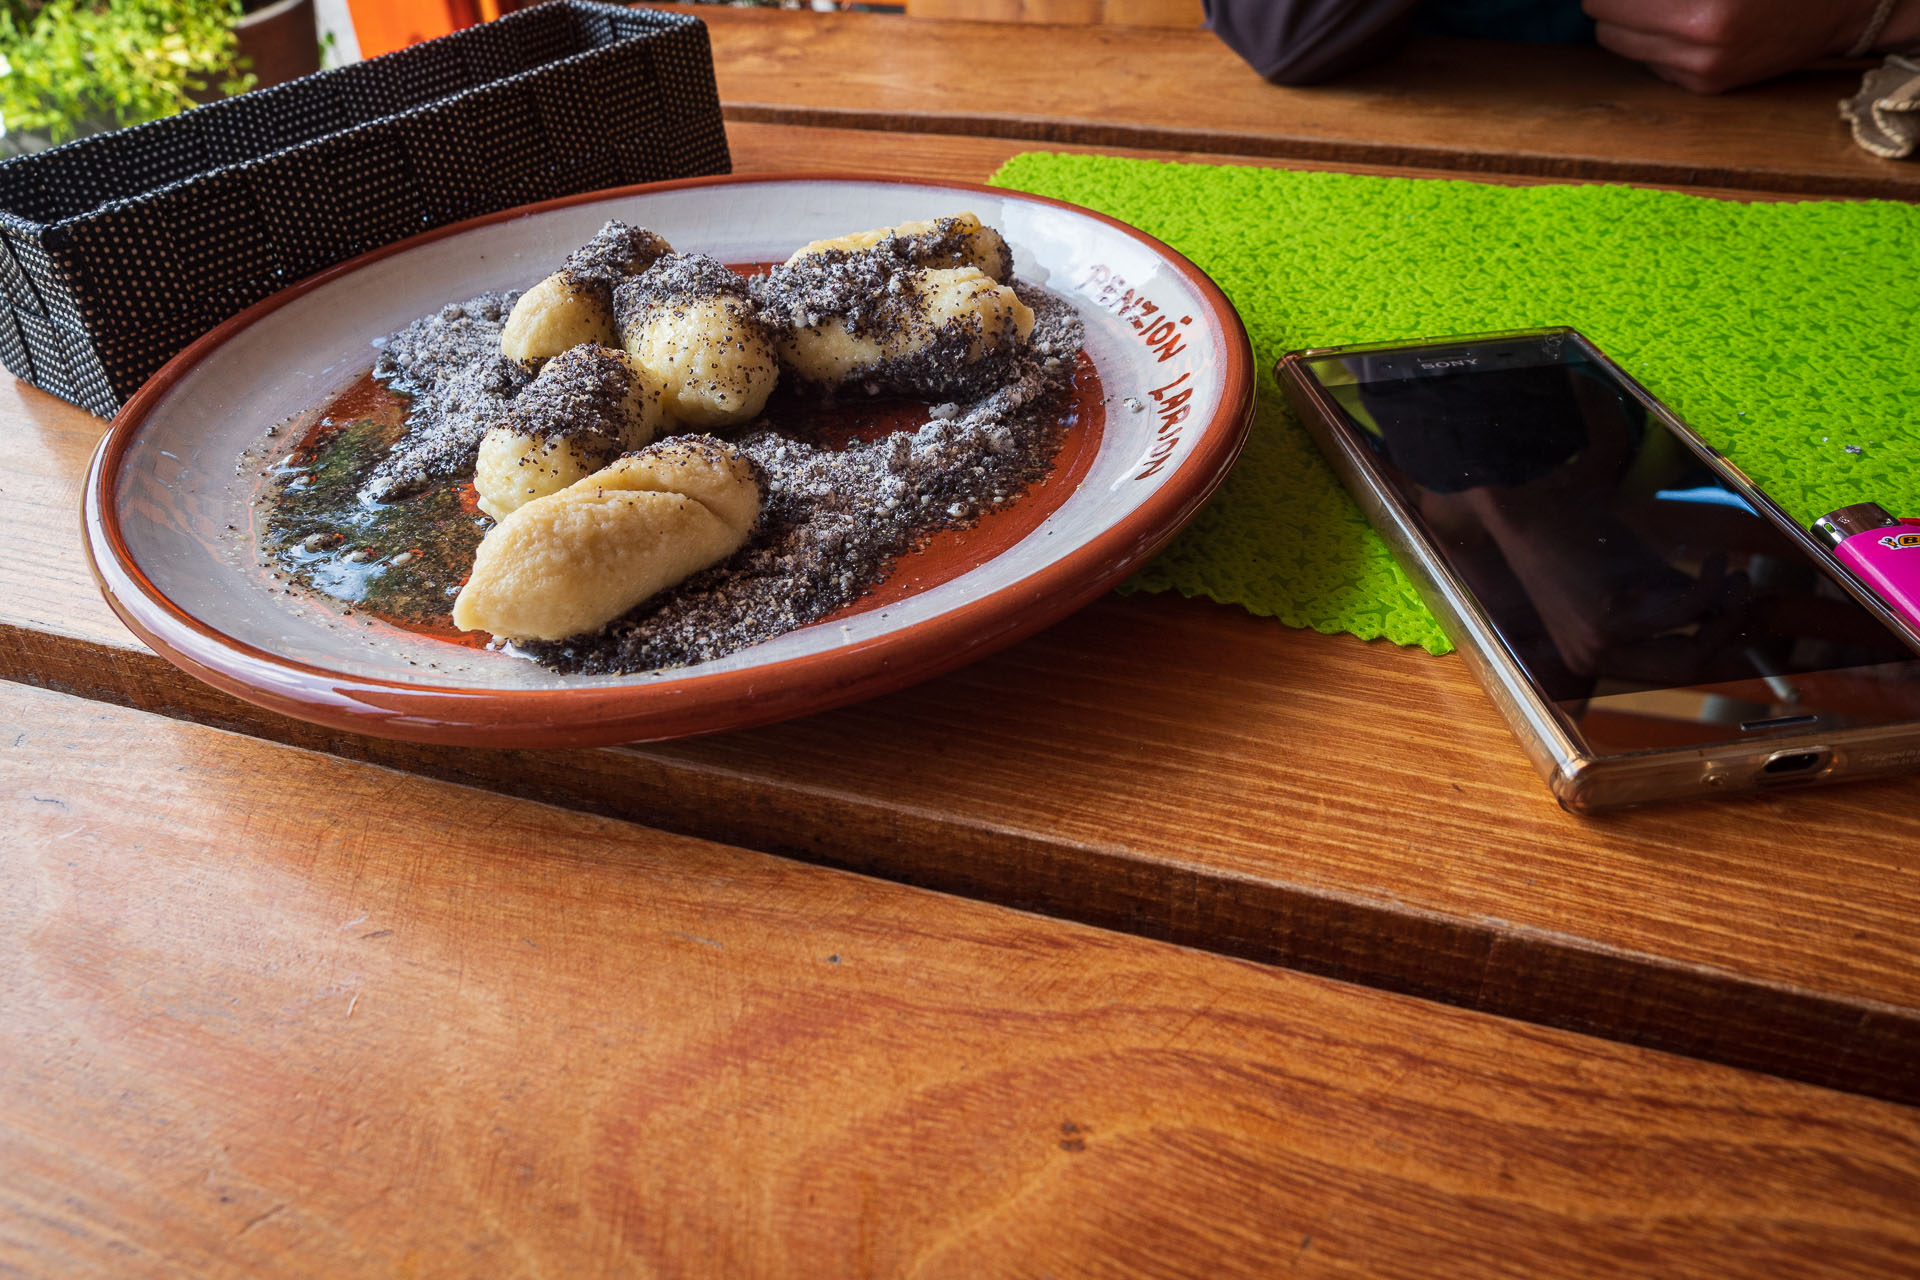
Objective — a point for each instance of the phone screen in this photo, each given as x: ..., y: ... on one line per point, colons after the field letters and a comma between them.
x: 1649, y: 601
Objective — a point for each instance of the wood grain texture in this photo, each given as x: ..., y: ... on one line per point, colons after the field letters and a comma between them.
x: 275, y: 1013
x: 1556, y: 112
x: 774, y: 148
x: 1184, y: 771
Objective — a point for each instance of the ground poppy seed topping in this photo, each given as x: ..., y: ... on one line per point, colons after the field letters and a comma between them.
x: 911, y: 399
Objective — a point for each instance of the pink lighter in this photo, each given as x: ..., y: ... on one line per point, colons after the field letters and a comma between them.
x: 1882, y: 552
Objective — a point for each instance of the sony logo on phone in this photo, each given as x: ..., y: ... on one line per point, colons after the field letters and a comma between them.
x: 1458, y: 362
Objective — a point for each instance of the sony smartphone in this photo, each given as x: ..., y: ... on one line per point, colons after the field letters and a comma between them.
x: 1651, y: 625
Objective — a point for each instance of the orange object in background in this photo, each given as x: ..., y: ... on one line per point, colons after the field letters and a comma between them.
x: 381, y: 26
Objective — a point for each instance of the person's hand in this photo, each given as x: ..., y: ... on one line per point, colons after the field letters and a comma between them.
x: 1712, y: 45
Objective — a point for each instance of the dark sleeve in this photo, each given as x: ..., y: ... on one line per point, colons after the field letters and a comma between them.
x: 1306, y: 41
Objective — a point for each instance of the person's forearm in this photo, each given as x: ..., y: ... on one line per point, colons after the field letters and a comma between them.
x: 1711, y: 45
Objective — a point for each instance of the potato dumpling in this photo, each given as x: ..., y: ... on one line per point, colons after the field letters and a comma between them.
x: 514, y: 468
x: 958, y: 241
x: 959, y: 308
x: 687, y: 319
x: 552, y: 317
x: 575, y: 304
x: 573, y: 561
x: 867, y: 320
x: 587, y: 406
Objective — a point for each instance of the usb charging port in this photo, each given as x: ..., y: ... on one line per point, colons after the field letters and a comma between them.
x: 1793, y: 762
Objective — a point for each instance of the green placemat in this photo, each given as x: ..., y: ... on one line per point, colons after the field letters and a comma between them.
x: 1788, y: 334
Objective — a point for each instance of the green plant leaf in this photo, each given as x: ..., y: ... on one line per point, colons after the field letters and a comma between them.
x: 77, y: 67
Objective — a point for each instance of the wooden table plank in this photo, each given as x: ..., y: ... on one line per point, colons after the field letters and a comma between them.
x: 1259, y: 802
x: 773, y: 148
x: 1551, y: 111
x: 274, y: 1013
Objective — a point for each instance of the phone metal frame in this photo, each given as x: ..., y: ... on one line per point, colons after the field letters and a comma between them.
x: 1584, y: 781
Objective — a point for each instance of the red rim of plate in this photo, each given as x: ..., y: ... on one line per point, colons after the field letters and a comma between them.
x: 696, y: 703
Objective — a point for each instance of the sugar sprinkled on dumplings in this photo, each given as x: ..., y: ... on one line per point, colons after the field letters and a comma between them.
x: 587, y: 406
x: 689, y: 321
x: 573, y: 561
x: 872, y: 319
x: 574, y: 305
x: 961, y: 240
x: 609, y: 554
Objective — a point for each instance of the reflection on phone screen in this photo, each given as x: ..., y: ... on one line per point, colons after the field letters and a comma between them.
x: 1647, y: 598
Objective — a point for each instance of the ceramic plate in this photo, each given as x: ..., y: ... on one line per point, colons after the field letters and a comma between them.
x: 168, y: 519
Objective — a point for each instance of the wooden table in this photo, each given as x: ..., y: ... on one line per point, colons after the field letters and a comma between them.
x: 290, y: 1001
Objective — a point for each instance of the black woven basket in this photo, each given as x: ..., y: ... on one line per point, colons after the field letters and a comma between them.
x: 118, y: 250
